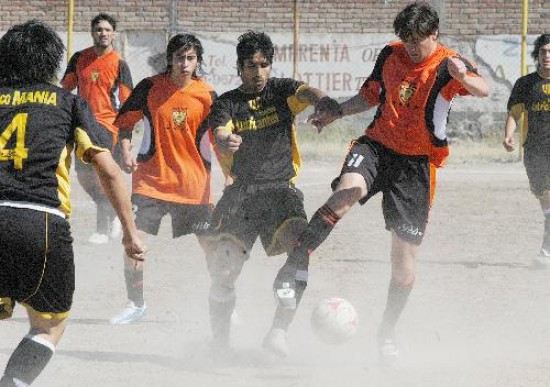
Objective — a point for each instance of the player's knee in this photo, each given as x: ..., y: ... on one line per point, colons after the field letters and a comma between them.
x: 224, y: 265
x: 404, y: 278
x: 6, y: 307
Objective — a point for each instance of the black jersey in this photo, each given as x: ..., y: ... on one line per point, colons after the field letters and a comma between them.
x: 265, y: 121
x: 531, y: 94
x: 39, y: 127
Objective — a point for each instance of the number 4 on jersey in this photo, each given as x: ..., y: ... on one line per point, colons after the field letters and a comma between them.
x: 19, y: 153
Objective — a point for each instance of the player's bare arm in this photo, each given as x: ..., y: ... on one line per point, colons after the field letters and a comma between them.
x: 114, y: 186
x: 510, y: 127
x: 475, y: 85
x: 227, y: 141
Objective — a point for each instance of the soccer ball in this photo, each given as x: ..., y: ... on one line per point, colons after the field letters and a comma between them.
x: 334, y: 320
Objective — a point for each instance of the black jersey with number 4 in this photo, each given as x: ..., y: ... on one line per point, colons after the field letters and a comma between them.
x: 39, y: 127
x: 265, y: 121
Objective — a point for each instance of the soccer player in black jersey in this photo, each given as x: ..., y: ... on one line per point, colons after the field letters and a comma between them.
x: 531, y: 95
x: 255, y: 133
x: 40, y: 124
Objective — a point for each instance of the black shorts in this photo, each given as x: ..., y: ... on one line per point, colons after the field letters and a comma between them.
x: 107, y: 138
x: 248, y: 211
x: 36, y: 261
x: 537, y: 166
x: 186, y: 218
x: 406, y: 183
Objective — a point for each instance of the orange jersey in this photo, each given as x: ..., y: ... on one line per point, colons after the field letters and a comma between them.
x: 104, y: 82
x: 174, y: 158
x: 414, y: 100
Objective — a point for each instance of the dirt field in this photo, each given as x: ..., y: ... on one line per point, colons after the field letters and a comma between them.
x: 478, y: 316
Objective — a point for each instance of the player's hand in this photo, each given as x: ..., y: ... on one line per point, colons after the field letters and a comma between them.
x: 128, y: 164
x: 134, y: 248
x: 326, y: 111
x: 509, y: 144
x: 456, y: 68
x: 228, y: 143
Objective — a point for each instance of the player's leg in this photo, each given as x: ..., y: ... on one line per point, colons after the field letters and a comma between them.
x: 537, y: 167
x: 544, y: 200
x: 225, y: 261
x: 90, y: 184
x: 403, y: 276
x: 34, y: 352
x: 408, y: 193
x: 357, y: 175
x: 231, y: 236
x: 149, y: 213
x: 43, y: 265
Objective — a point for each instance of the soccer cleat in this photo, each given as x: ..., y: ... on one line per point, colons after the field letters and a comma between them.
x: 276, y: 342
x: 115, y: 228
x: 542, y: 260
x: 388, y: 352
x: 129, y: 314
x: 98, y: 239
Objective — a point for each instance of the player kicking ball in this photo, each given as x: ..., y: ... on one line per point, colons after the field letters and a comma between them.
x: 413, y: 83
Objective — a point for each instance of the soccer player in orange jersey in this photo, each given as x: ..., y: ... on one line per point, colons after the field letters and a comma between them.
x: 171, y: 174
x: 413, y: 83
x: 531, y: 95
x: 40, y: 124
x: 103, y: 79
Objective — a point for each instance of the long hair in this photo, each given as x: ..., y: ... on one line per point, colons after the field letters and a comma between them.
x: 416, y: 20
x: 30, y: 53
x: 542, y: 40
x: 187, y: 42
x: 252, y: 42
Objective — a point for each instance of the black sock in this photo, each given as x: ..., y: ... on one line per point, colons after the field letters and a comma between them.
x: 397, y: 299
x: 220, y: 320
x: 284, y: 316
x: 26, y: 362
x: 134, y: 286
x: 320, y: 226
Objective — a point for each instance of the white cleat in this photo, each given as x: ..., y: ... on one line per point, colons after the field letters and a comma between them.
x: 542, y: 260
x: 98, y: 239
x: 388, y: 352
x: 129, y: 314
x: 115, y: 229
x: 276, y: 342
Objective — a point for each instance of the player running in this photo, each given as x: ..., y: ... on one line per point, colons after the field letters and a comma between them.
x: 531, y: 95
x: 40, y: 124
x: 172, y: 172
x: 413, y: 84
x: 103, y: 79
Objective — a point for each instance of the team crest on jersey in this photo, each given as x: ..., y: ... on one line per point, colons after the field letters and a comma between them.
x: 406, y: 91
x: 254, y: 104
x: 546, y: 88
x: 95, y: 76
x: 179, y: 116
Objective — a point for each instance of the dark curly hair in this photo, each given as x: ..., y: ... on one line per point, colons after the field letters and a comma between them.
x: 542, y: 40
x: 103, y: 16
x: 252, y: 42
x: 30, y: 53
x: 186, y: 41
x: 416, y: 21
